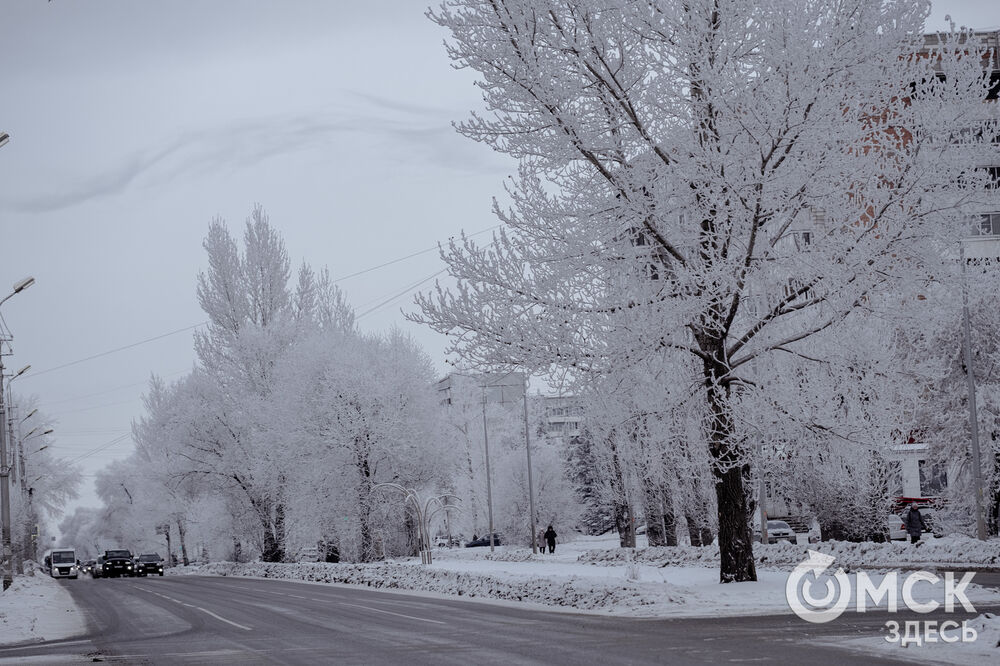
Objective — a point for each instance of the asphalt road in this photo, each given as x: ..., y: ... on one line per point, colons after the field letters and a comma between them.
x: 215, y: 620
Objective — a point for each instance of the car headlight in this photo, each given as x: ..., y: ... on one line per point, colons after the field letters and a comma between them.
x: 128, y: 566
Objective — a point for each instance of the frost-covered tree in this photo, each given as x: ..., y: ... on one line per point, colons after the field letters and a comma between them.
x: 672, y: 153
x: 941, y: 415
x: 358, y: 409
x: 41, y: 483
x: 246, y: 295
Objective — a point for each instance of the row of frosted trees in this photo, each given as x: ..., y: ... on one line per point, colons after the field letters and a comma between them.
x: 274, y: 443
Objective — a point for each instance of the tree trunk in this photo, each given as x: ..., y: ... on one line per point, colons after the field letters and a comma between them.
x: 272, y: 551
x: 181, y: 530
x: 413, y: 545
x: 730, y: 472
x: 655, y: 533
x: 625, y: 524
x: 694, y: 532
x: 669, y: 521
x: 279, y: 530
x: 621, y: 507
x: 661, y: 528
x: 735, y: 544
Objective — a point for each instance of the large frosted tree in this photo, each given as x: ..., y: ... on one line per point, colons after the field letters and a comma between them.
x: 716, y: 179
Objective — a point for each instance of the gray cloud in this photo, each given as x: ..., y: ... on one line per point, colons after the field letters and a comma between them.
x: 241, y: 143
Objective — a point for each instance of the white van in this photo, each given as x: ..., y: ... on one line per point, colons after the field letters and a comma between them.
x: 61, y: 563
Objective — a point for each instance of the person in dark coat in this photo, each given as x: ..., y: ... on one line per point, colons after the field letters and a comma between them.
x: 550, y: 538
x: 915, y: 523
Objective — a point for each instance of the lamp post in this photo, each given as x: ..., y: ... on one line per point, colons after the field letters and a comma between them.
x: 17, y: 557
x: 489, y: 483
x: 8, y: 578
x: 22, y: 455
x: 10, y: 414
x: 20, y: 438
x: 970, y: 382
x: 531, y: 486
x: 28, y: 497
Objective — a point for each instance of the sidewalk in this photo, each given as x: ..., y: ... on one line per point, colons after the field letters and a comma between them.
x: 36, y: 608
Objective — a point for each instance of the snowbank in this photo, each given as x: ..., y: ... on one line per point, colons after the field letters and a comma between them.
x: 36, y: 608
x: 593, y: 574
x: 582, y: 593
x: 984, y: 650
x: 955, y: 550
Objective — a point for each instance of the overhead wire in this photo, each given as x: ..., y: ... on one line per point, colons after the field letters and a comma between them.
x: 116, y: 350
x: 203, y: 323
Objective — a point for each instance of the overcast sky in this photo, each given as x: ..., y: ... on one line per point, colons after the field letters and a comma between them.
x: 133, y: 124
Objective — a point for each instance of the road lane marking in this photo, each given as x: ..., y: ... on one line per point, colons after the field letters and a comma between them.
x: 203, y: 610
x: 378, y: 610
x: 219, y: 617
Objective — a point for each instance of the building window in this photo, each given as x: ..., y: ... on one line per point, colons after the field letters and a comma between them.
x: 992, y: 176
x: 989, y: 224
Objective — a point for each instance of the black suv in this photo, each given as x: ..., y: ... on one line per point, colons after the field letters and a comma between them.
x: 148, y: 564
x: 117, y: 563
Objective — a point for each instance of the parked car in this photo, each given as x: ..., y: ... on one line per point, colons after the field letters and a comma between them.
x: 148, y: 564
x: 777, y: 530
x: 897, y: 528
x: 442, y: 541
x: 483, y: 541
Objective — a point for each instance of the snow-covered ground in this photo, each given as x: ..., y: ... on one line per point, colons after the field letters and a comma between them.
x: 590, y: 574
x: 984, y: 650
x: 37, y: 608
x: 593, y: 574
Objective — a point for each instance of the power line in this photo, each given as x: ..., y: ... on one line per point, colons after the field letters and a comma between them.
x: 88, y: 409
x: 82, y: 456
x: 400, y: 294
x: 116, y: 350
x: 345, y: 277
x: 46, y: 405
x: 410, y: 256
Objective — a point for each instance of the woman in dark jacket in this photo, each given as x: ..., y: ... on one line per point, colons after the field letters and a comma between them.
x: 550, y: 538
x: 915, y: 524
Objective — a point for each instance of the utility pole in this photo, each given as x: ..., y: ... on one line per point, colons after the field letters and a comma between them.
x: 970, y: 380
x: 489, y: 483
x: 5, y: 489
x: 17, y: 559
x: 531, y: 487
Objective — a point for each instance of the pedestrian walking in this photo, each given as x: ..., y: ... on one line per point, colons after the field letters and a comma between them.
x: 550, y: 538
x: 915, y: 523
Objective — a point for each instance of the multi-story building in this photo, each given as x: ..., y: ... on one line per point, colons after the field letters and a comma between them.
x: 563, y: 417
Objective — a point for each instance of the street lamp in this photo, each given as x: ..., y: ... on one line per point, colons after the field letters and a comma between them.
x: 19, y: 286
x: 28, y: 497
x: 970, y: 381
x: 10, y: 401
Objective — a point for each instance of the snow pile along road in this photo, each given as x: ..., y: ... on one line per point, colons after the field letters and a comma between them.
x: 955, y: 550
x: 984, y: 650
x: 582, y: 593
x: 36, y: 608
